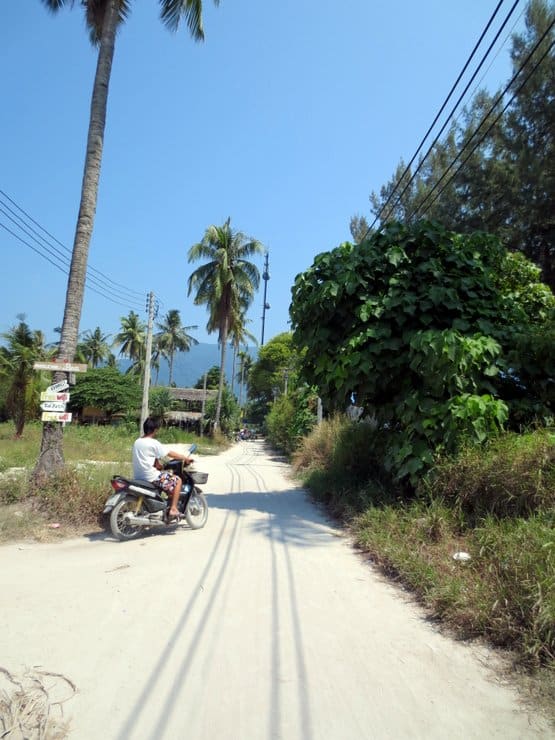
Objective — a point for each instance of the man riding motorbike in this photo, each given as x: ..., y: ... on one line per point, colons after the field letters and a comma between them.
x: 147, y: 454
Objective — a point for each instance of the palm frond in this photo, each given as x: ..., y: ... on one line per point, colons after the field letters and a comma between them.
x: 172, y: 11
x: 95, y: 10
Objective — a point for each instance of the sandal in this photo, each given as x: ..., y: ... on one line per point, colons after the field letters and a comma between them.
x: 174, y: 518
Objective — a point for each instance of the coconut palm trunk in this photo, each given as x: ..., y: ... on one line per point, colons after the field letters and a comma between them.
x: 223, y: 343
x: 51, y: 450
x: 170, y: 376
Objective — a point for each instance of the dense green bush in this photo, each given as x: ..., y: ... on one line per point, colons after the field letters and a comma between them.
x: 107, y: 389
x: 418, y: 323
x: 290, y: 418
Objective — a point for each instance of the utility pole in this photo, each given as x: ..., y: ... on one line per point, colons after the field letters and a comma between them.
x: 148, y: 354
x: 265, y: 277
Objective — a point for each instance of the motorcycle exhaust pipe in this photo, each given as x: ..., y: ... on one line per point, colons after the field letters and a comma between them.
x: 144, y: 521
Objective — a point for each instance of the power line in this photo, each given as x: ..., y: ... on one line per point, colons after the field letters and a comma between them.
x: 55, y: 253
x: 59, y: 267
x: 90, y: 268
x: 485, y: 119
x: 499, y: 50
x: 461, y: 96
x: 454, y: 86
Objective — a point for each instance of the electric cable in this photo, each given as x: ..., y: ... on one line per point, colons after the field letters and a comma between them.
x: 89, y: 279
x: 59, y: 267
x: 69, y: 251
x: 450, y: 116
x: 486, y: 117
x: 478, y: 85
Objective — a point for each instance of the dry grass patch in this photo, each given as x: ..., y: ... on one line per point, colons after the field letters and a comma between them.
x: 32, y: 705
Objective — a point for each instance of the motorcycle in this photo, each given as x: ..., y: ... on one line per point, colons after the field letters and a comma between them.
x: 137, y: 505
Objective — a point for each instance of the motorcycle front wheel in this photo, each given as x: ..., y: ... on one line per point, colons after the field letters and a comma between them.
x: 196, y: 512
x: 119, y: 525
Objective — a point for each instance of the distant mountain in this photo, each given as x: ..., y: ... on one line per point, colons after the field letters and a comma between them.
x: 189, y: 367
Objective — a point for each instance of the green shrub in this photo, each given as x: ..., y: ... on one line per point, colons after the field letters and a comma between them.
x: 420, y: 323
x: 340, y: 463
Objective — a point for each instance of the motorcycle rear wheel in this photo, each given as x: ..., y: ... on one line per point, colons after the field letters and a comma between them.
x: 196, y: 512
x: 120, y: 527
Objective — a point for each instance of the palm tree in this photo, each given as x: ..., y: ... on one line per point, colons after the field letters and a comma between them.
x: 132, y: 341
x: 225, y: 284
x: 239, y: 336
x: 155, y: 360
x: 173, y: 337
x: 94, y: 346
x: 245, y: 364
x: 16, y: 363
x: 102, y: 19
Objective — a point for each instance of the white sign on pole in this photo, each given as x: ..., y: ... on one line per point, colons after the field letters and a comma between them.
x: 57, y: 387
x: 56, y: 416
x: 53, y: 406
x: 66, y: 367
x: 48, y: 396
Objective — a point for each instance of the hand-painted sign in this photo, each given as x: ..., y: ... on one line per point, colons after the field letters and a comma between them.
x: 48, y: 396
x: 56, y: 416
x: 66, y: 367
x: 58, y: 387
x: 53, y: 406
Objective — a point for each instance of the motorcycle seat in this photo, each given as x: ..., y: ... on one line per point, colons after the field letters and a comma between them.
x: 141, y: 484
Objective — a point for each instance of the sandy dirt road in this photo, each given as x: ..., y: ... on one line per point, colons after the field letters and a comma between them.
x: 263, y: 625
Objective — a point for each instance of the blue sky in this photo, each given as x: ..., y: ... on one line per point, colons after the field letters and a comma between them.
x: 285, y: 119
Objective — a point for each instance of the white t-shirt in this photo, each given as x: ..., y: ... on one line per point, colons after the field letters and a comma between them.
x: 145, y: 452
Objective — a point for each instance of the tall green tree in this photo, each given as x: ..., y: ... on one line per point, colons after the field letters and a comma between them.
x: 245, y: 365
x: 173, y: 337
x: 132, y: 341
x: 530, y: 143
x: 225, y: 284
x: 503, y: 182
x: 23, y: 348
x: 212, y: 379
x: 239, y: 336
x: 102, y: 17
x: 274, y: 368
x: 95, y: 347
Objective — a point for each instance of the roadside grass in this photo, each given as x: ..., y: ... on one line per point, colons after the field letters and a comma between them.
x: 99, y: 443
x: 495, y: 503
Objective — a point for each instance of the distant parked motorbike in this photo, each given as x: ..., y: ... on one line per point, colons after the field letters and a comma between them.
x: 136, y: 505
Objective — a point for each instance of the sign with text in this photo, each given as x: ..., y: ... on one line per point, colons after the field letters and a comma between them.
x: 57, y: 387
x: 49, y: 396
x: 56, y: 416
x: 53, y: 406
x: 65, y: 367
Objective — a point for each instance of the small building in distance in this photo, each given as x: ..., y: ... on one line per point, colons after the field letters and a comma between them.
x: 189, y: 404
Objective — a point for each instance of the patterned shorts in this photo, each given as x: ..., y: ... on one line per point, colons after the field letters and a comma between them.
x: 167, y: 482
